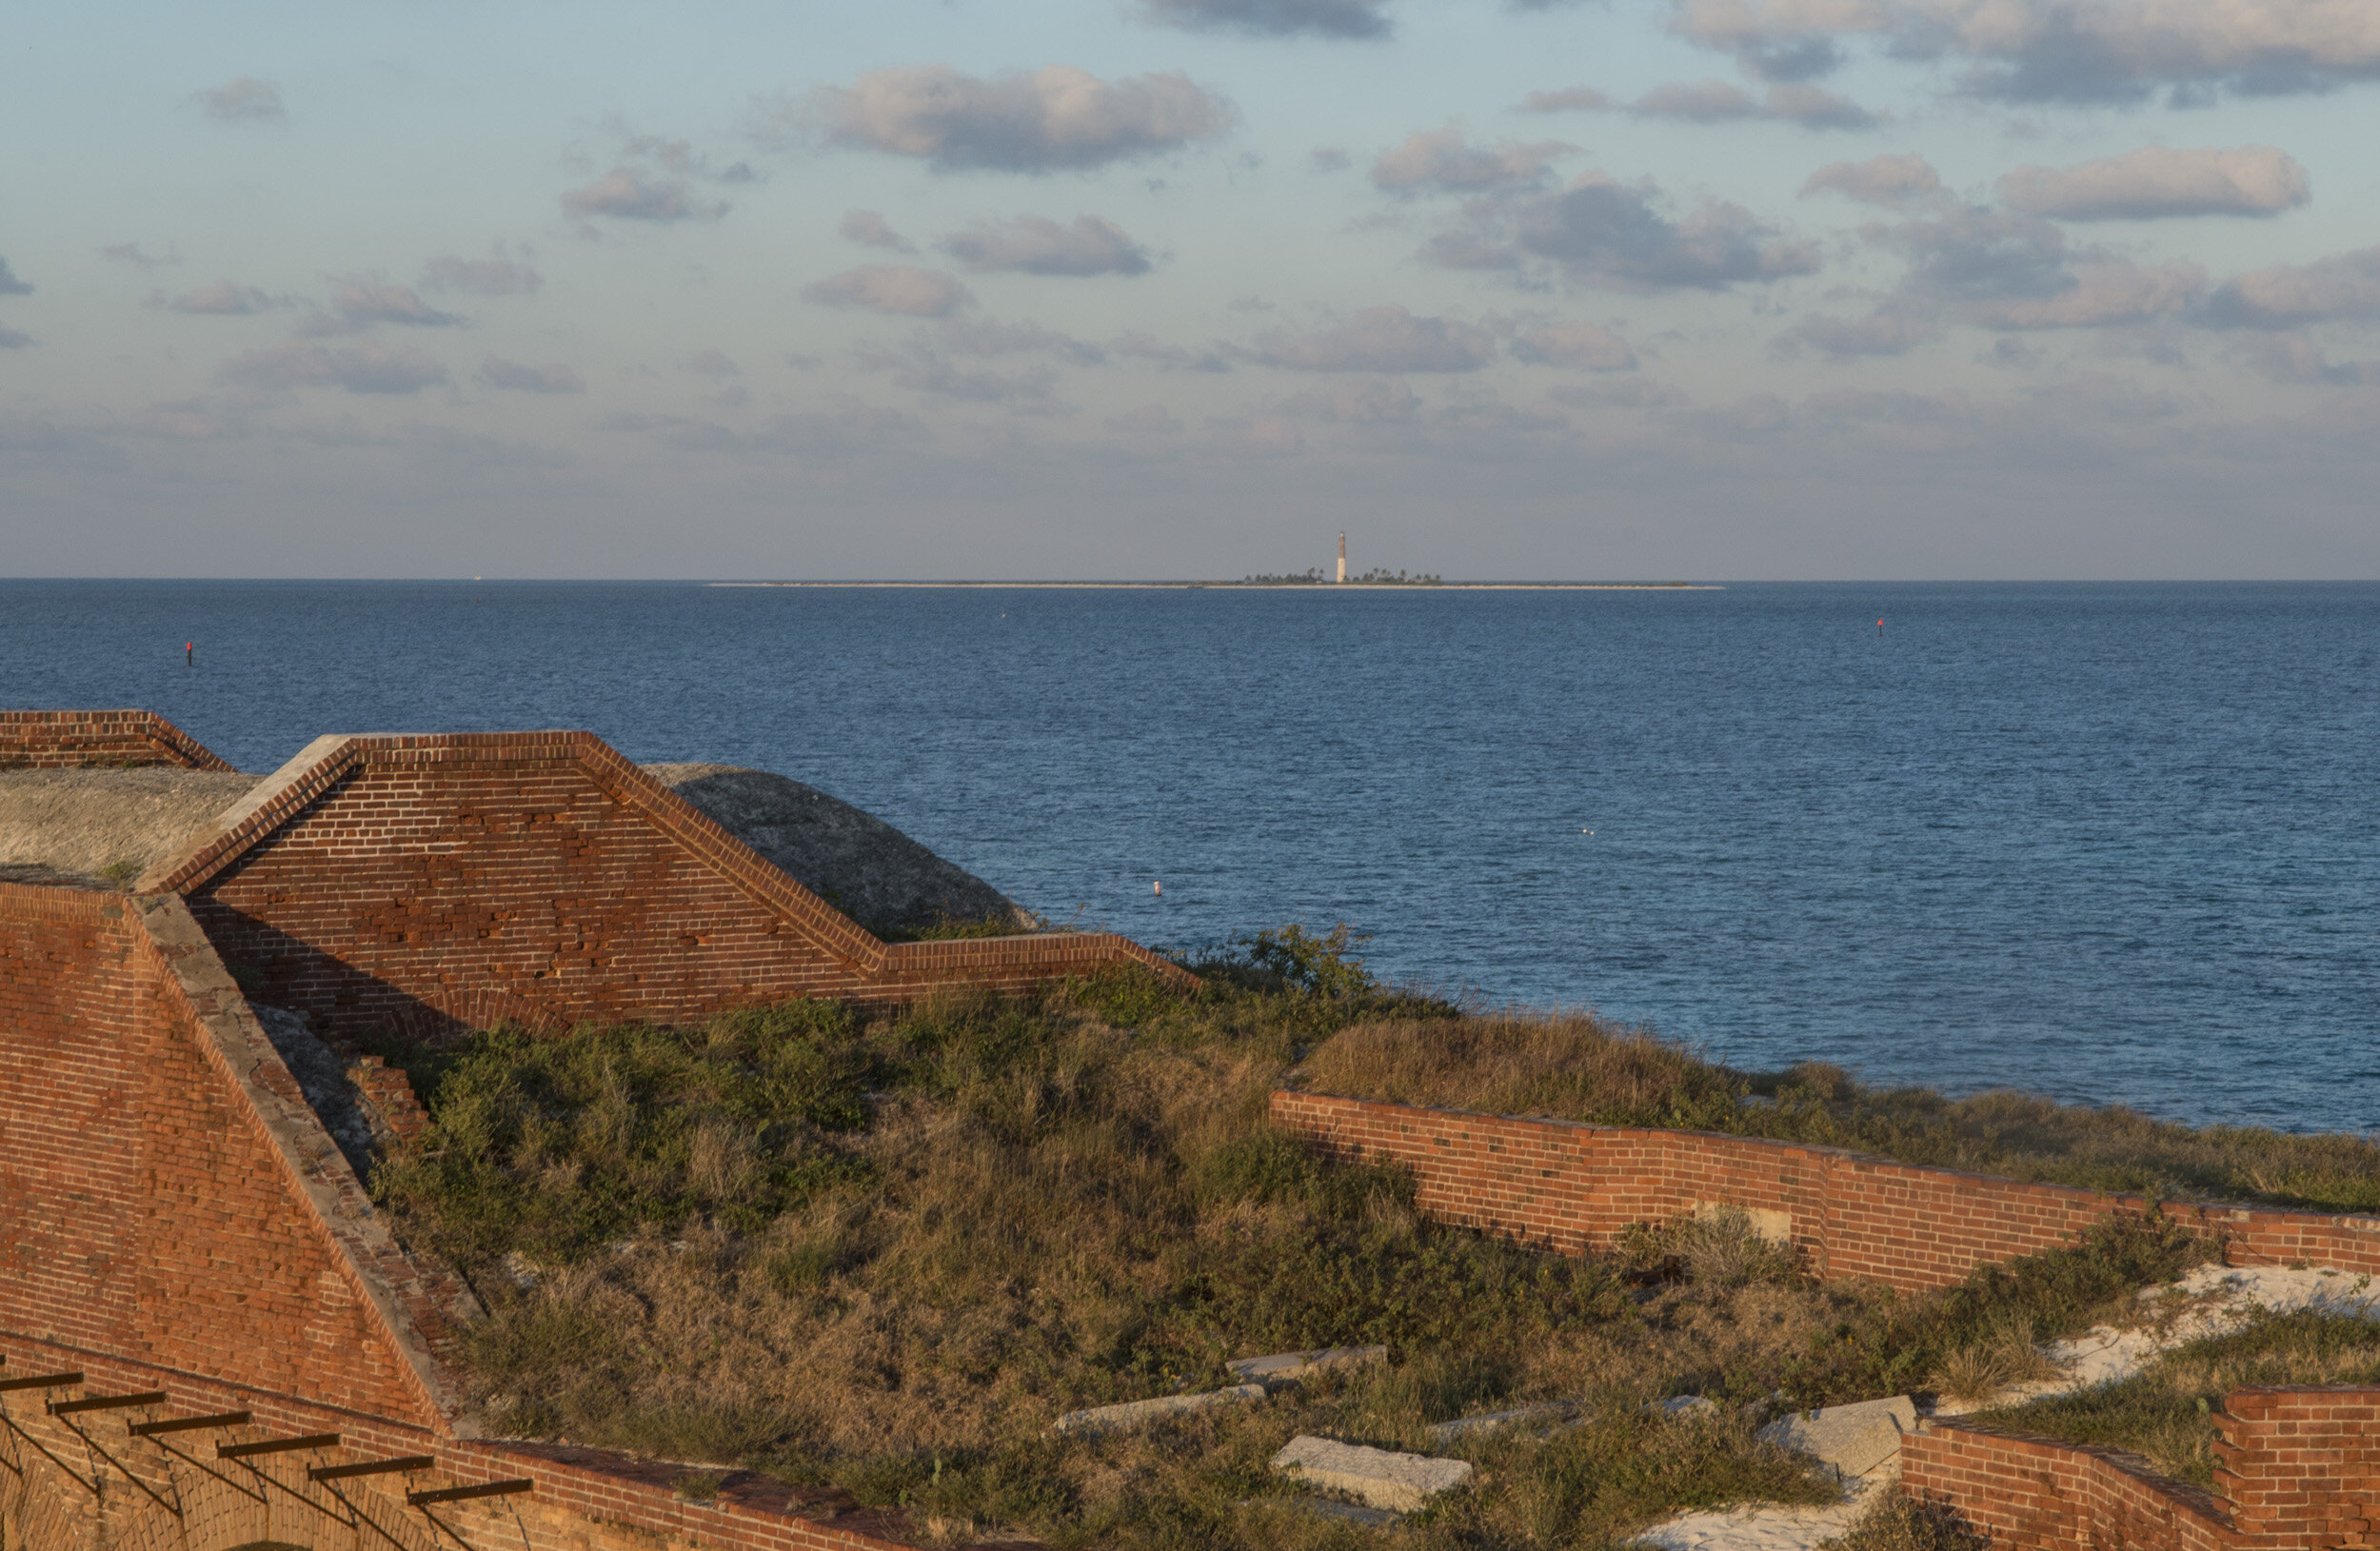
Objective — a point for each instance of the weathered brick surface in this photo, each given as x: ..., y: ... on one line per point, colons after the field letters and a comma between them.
x: 72, y: 739
x: 431, y: 882
x: 2301, y: 1466
x: 2037, y: 1494
x: 145, y: 1209
x: 1574, y: 1185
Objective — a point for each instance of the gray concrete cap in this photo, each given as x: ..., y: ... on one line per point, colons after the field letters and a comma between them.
x: 1400, y: 1482
x: 1853, y: 1439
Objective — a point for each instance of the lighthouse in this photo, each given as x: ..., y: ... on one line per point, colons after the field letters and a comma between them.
x: 1342, y: 555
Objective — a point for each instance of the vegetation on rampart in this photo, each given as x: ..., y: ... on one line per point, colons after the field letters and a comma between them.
x: 889, y: 1249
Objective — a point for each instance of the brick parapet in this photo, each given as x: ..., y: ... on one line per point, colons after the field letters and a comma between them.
x: 2042, y: 1494
x: 2301, y: 1465
x: 1575, y: 1186
x: 78, y: 740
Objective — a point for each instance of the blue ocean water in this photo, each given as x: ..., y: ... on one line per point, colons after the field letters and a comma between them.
x: 2116, y: 843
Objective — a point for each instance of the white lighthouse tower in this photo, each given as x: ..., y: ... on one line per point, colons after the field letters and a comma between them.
x: 1342, y: 555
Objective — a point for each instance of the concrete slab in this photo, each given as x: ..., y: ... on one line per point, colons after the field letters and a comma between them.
x: 1853, y: 1439
x: 1400, y: 1482
x: 1288, y: 1367
x: 1105, y: 1418
x: 1447, y: 1432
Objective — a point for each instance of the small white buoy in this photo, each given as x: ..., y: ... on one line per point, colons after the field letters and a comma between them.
x: 1158, y: 887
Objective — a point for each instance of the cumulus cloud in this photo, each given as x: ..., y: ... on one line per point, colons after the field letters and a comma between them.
x: 1384, y: 339
x: 2063, y: 50
x: 1143, y: 347
x: 373, y: 301
x: 134, y: 255
x: 1880, y: 180
x: 2003, y: 270
x: 1885, y: 331
x: 1605, y: 231
x: 362, y: 368
x: 1442, y: 160
x: 481, y: 277
x: 243, y: 100
x: 712, y: 363
x: 2157, y: 181
x: 1274, y: 19
x: 899, y: 290
x: 14, y: 339
x: 519, y: 377
x: 1365, y: 401
x: 9, y: 284
x: 627, y: 193
x: 1720, y: 102
x: 225, y: 299
x: 1584, y: 346
x: 1037, y: 245
x: 1578, y: 99
x: 1052, y: 119
x: 2291, y: 295
x: 870, y: 229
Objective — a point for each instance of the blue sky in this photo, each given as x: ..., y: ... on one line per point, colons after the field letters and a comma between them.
x: 1181, y: 287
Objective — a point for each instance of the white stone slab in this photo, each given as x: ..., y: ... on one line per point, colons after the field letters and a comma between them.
x: 1288, y: 1367
x: 1853, y: 1439
x: 1446, y: 1432
x: 1400, y: 1482
x: 1104, y: 1419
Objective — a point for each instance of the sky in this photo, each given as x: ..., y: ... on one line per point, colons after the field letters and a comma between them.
x: 1079, y: 289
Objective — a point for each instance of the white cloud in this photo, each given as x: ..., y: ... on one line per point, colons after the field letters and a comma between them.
x: 1720, y: 102
x: 1055, y: 118
x: 222, y: 299
x: 712, y: 363
x: 520, y: 378
x: 1444, y: 161
x: 1880, y: 180
x: 1274, y: 19
x: 1599, y: 229
x: 626, y: 193
x: 2157, y: 181
x: 9, y: 284
x: 2079, y: 51
x: 2291, y: 295
x: 243, y: 100
x: 1037, y: 245
x: 375, y: 301
x: 2116, y: 291
x: 900, y: 289
x: 362, y: 368
x: 1578, y: 99
x: 14, y: 339
x: 1584, y: 347
x: 1384, y: 339
x: 870, y: 229
x: 481, y: 277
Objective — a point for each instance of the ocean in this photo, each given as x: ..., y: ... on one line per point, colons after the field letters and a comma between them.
x: 2110, y: 842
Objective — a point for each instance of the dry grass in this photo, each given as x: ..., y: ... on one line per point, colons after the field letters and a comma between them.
x: 889, y: 1253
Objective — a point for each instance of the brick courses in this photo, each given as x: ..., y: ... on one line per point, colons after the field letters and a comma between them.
x: 458, y: 879
x: 1571, y: 1186
x: 74, y: 740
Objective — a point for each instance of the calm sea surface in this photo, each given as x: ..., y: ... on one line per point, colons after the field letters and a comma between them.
x: 2111, y: 842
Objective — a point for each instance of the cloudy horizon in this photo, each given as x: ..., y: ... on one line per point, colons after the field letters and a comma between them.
x: 1557, y: 289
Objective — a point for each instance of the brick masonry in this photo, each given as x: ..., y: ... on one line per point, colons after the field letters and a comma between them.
x: 75, y: 739
x: 2301, y: 1468
x: 459, y: 879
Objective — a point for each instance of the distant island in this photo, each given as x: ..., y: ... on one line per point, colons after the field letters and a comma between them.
x: 1314, y: 581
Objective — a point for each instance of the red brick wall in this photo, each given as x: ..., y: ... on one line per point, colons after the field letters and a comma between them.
x: 143, y: 1211
x: 69, y: 740
x: 542, y: 878
x: 1574, y: 1185
x: 2037, y: 1494
x: 2301, y: 1468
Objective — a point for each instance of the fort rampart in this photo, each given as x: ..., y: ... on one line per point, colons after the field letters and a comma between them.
x: 2301, y: 1468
